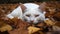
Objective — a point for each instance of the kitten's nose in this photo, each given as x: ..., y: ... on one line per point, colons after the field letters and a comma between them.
x: 32, y: 21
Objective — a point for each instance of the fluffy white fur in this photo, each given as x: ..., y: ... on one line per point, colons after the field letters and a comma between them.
x: 16, y: 13
x: 32, y: 10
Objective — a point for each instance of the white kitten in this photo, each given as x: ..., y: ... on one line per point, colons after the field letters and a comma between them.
x: 31, y: 13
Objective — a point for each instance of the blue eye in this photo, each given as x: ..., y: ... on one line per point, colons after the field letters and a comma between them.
x: 36, y: 15
x: 28, y: 15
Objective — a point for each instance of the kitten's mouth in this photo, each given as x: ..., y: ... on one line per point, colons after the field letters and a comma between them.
x: 35, y: 22
x: 32, y: 22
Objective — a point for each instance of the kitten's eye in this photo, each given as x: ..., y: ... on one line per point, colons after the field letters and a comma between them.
x: 28, y: 15
x: 36, y: 15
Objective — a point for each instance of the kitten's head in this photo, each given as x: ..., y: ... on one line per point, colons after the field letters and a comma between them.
x: 33, y: 15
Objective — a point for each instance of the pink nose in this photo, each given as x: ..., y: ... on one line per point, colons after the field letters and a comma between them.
x: 32, y: 21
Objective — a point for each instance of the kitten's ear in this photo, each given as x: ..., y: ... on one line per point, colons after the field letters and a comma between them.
x: 43, y: 6
x: 22, y: 7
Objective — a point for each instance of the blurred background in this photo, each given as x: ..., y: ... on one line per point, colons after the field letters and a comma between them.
x: 23, y: 1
